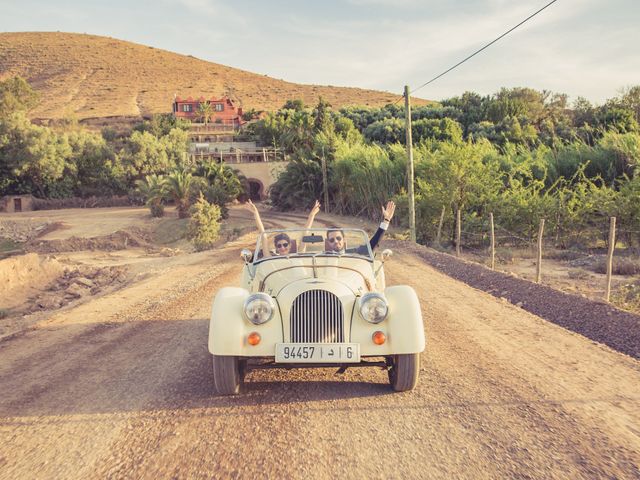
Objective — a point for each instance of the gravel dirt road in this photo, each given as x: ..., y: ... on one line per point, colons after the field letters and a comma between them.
x: 121, y: 387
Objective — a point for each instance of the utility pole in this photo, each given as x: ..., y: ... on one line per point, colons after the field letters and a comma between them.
x: 325, y: 186
x: 412, y: 205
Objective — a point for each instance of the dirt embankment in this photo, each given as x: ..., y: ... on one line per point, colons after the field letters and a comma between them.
x: 598, y: 321
x: 120, y: 240
x: 36, y: 283
x: 25, y: 230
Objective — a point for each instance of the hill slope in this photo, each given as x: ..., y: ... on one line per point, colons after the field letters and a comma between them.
x: 95, y: 77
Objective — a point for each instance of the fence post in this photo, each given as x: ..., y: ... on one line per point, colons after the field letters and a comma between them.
x: 444, y: 210
x: 612, y: 246
x: 458, y: 232
x: 539, y: 262
x: 493, y: 243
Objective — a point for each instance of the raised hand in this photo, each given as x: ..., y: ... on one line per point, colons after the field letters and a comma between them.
x: 253, y: 209
x: 250, y: 206
x: 387, y: 213
x: 315, y: 209
x: 312, y: 214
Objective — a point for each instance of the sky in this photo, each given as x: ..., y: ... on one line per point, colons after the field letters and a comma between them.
x: 587, y: 48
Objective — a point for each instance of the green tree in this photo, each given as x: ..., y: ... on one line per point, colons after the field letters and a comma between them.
x: 443, y: 130
x: 297, y: 105
x: 205, y: 111
x: 614, y: 116
x: 204, y: 224
x: 16, y: 95
x: 322, y: 121
x: 182, y: 186
x: 153, y: 188
x: 34, y: 157
x: 144, y: 154
x: 386, y: 131
x: 97, y: 170
x: 223, y: 184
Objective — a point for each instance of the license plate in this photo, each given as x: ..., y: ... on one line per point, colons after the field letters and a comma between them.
x: 317, y: 352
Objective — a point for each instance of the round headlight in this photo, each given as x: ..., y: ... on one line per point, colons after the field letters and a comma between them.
x: 258, y: 308
x: 373, y: 307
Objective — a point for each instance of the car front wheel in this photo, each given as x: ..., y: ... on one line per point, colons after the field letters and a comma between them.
x: 403, y: 371
x: 227, y: 375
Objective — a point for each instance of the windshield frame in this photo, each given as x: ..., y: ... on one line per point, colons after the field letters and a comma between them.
x: 311, y: 231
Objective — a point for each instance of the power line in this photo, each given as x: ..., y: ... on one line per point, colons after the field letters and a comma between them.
x: 483, y: 48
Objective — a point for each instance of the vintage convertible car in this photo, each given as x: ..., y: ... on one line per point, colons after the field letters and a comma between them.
x: 314, y: 307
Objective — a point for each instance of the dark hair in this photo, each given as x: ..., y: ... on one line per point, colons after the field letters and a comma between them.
x: 335, y: 229
x: 281, y: 236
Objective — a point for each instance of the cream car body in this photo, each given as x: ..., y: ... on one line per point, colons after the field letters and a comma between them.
x: 316, y: 302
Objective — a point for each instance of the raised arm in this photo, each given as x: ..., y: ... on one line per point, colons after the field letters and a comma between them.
x: 256, y: 215
x: 312, y: 214
x: 387, y: 216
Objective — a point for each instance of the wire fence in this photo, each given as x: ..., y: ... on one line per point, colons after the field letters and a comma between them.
x: 487, y: 238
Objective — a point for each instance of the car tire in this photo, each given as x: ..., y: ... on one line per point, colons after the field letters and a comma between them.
x: 403, y: 371
x: 227, y: 375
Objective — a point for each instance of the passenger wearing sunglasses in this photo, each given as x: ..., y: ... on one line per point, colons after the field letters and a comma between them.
x: 281, y: 241
x: 336, y: 243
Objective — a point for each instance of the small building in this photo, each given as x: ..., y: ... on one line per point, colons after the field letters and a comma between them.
x: 223, y: 112
x: 16, y: 203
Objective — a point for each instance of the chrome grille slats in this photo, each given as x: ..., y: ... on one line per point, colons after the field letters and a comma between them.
x: 317, y: 316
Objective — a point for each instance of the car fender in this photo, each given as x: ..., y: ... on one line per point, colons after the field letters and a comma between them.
x: 228, y: 329
x: 406, y: 328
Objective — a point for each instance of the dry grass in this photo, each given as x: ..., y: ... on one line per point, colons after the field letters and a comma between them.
x: 94, y: 77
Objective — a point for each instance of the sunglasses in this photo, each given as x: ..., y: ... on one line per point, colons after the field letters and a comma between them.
x: 282, y: 245
x: 334, y: 239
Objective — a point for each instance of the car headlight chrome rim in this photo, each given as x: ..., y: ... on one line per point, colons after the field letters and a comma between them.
x: 373, y: 307
x: 259, y: 308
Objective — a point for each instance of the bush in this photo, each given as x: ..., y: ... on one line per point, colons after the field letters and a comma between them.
x: 204, y: 225
x: 157, y: 210
x: 628, y: 297
x: 89, y: 202
x: 4, y: 313
x: 621, y: 266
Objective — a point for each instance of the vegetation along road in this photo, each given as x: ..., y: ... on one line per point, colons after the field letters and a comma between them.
x: 121, y: 387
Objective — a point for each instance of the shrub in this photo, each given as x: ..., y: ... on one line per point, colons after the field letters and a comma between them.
x: 88, y: 202
x: 157, y: 210
x: 204, y: 225
x: 4, y: 313
x: 628, y: 297
x: 621, y: 266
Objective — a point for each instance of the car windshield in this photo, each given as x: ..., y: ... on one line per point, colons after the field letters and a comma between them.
x: 323, y: 241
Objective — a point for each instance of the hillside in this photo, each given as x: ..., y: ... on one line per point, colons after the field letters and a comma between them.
x: 94, y: 77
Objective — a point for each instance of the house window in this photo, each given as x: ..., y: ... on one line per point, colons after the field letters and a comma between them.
x: 218, y: 107
x: 186, y: 108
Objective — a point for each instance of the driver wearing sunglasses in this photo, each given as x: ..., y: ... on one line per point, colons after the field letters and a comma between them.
x: 336, y: 243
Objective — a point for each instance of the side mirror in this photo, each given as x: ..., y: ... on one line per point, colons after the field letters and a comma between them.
x: 246, y: 255
x: 386, y: 253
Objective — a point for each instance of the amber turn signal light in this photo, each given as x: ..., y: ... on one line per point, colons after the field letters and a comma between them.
x: 254, y: 338
x: 379, y: 338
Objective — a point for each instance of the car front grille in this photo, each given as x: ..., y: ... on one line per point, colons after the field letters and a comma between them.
x: 317, y: 317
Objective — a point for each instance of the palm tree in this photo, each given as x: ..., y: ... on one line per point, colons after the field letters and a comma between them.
x: 154, y: 190
x: 205, y: 111
x: 224, y: 183
x: 181, y: 186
